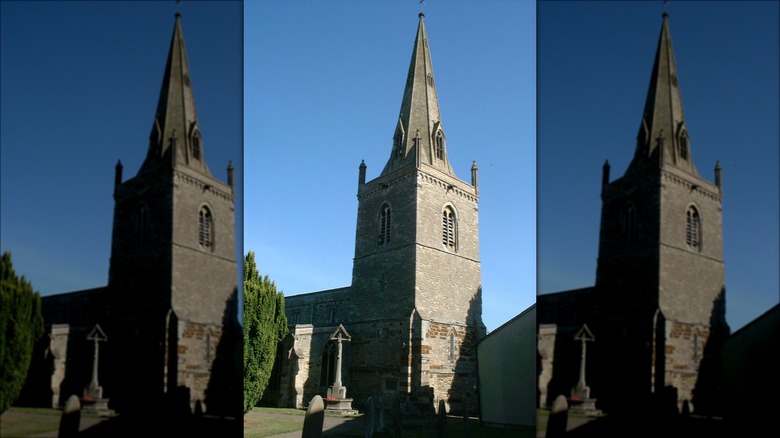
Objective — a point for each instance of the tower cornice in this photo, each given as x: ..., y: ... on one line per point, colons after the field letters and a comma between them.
x: 700, y: 187
x: 216, y: 188
x: 444, y: 181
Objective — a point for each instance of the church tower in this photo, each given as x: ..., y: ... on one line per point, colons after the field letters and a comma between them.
x: 173, y: 271
x: 660, y: 278
x: 417, y: 249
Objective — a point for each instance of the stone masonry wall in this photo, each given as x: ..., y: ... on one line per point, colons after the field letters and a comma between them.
x: 196, y: 351
x: 203, y: 279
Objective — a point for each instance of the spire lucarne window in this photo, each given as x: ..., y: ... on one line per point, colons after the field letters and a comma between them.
x: 684, y: 146
x: 196, y: 146
x: 439, y: 145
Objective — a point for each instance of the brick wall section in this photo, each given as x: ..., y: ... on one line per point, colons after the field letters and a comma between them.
x: 684, y: 350
x: 197, y: 350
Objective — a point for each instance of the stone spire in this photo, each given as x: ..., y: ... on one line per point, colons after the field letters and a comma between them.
x: 175, y: 136
x: 663, y: 139
x: 419, y: 136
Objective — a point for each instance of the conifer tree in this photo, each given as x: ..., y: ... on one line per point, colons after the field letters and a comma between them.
x: 21, y: 324
x: 265, y: 324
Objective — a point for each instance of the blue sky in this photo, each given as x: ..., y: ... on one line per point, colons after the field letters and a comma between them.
x: 594, y: 63
x: 322, y: 84
x: 323, y: 87
x: 79, y: 83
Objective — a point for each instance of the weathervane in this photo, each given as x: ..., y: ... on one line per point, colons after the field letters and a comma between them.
x: 422, y: 5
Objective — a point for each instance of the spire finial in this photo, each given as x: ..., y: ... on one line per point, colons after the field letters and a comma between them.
x: 422, y: 9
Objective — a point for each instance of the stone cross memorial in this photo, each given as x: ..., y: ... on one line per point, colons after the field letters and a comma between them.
x: 337, y: 394
x: 93, y: 394
x: 580, y: 394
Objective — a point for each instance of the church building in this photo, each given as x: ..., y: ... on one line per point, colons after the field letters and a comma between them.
x: 413, y: 311
x: 657, y: 310
x: 167, y: 319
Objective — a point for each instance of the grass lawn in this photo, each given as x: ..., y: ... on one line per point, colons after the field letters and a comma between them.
x: 19, y: 422
x: 257, y: 425
x: 264, y: 422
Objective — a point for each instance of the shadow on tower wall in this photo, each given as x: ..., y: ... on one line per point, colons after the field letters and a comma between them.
x: 224, y: 393
x: 708, y: 397
x: 463, y: 393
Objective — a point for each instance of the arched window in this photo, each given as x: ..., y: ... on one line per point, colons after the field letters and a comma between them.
x: 385, y: 217
x: 205, y: 228
x: 439, y: 148
x: 328, y: 371
x: 397, y: 140
x: 693, y: 229
x: 449, y: 228
x: 141, y: 225
x: 628, y: 225
x: 452, y: 348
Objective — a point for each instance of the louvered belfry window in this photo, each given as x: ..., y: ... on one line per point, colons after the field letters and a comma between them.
x: 205, y: 228
x: 448, y: 228
x: 693, y: 228
x: 384, y: 224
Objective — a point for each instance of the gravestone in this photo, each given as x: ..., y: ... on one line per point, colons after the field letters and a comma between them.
x: 686, y: 409
x: 466, y: 415
x: 397, y: 417
x: 559, y: 416
x: 70, y: 419
x: 380, y: 409
x: 370, y: 418
x: 315, y: 417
